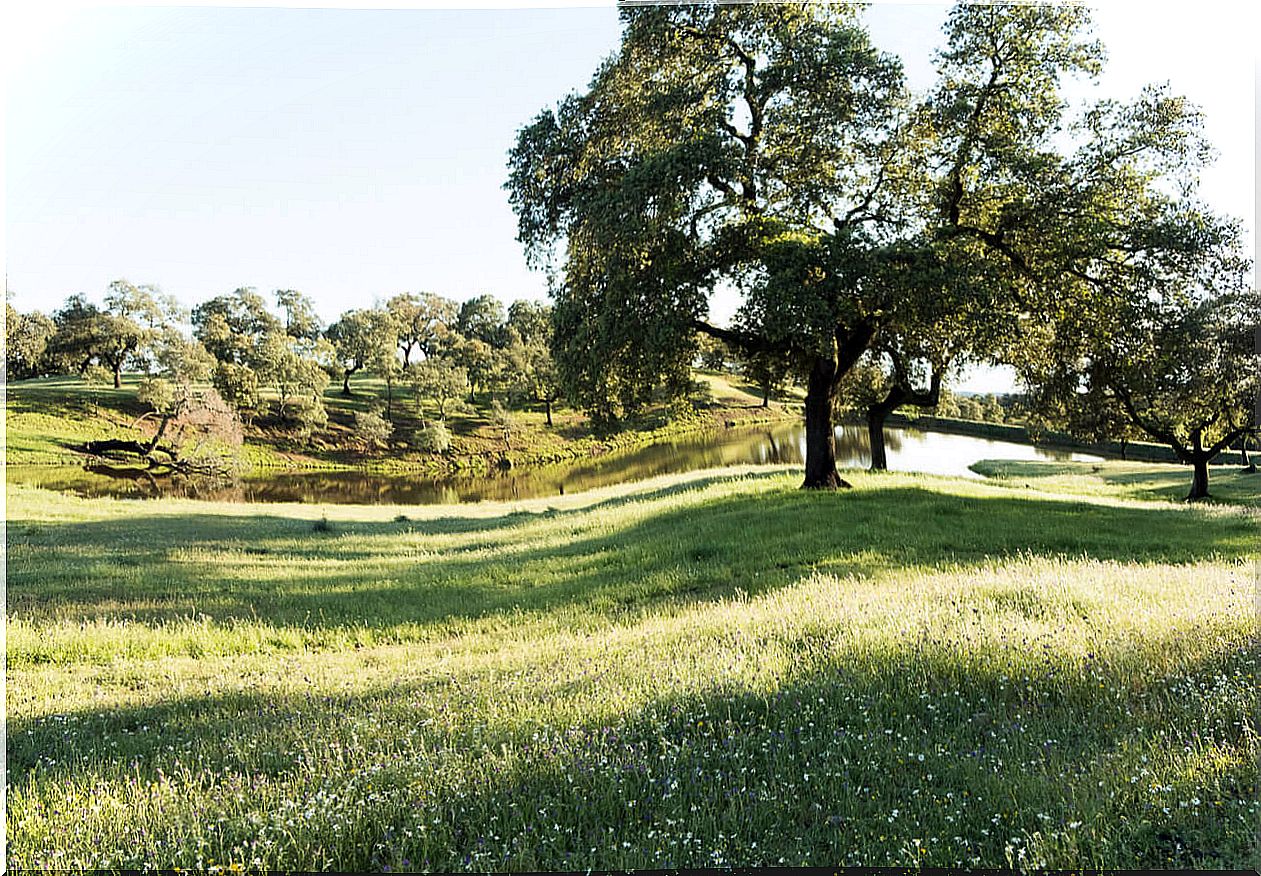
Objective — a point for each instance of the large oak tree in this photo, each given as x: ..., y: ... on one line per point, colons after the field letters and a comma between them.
x: 771, y: 148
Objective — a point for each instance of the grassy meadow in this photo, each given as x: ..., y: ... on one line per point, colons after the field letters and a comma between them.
x: 1055, y: 668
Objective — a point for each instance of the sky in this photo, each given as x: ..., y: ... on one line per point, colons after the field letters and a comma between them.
x: 357, y: 153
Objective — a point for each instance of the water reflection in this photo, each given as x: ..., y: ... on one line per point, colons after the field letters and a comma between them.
x: 908, y: 450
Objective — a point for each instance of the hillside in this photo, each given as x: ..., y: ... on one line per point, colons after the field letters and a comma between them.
x: 47, y: 417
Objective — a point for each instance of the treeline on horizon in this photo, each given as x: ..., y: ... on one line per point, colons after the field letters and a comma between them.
x: 432, y: 348
x: 435, y: 348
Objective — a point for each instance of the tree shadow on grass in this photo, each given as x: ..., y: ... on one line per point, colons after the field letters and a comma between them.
x: 824, y: 766
x: 287, y: 572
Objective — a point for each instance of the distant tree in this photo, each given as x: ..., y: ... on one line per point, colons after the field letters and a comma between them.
x: 712, y: 353
x: 76, y: 328
x: 543, y: 376
x: 179, y: 358
x: 238, y: 386
x: 298, y: 377
x: 232, y: 327
x: 481, y: 364
x: 511, y: 374
x: 1087, y: 416
x: 362, y: 339
x: 505, y: 422
x: 300, y: 320
x: 438, y: 379
x: 994, y: 410
x: 196, y: 431
x: 532, y: 321
x: 256, y: 349
x: 420, y: 321
x: 765, y: 369
x: 26, y: 340
x: 432, y: 438
x: 116, y: 336
x: 970, y: 408
x: 482, y: 319
x: 1178, y: 363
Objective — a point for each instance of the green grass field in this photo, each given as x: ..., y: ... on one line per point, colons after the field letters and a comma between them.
x: 1056, y: 669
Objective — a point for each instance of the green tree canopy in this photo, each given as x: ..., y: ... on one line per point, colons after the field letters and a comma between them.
x: 120, y: 334
x: 362, y: 339
x: 233, y: 327
x: 420, y: 320
x: 26, y: 337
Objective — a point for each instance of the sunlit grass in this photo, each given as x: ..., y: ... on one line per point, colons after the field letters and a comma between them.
x: 1228, y: 484
x: 700, y: 670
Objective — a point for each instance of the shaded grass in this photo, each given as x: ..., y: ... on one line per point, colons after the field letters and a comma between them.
x: 397, y: 581
x: 698, y: 671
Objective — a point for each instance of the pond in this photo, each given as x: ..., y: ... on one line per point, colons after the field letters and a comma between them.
x: 908, y: 450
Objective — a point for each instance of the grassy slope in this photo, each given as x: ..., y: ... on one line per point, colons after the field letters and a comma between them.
x: 45, y: 417
x: 699, y: 670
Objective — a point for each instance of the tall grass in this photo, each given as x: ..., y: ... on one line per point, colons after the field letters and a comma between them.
x: 702, y: 670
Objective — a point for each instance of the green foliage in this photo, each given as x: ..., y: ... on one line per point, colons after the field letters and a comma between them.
x: 121, y: 334
x: 364, y: 339
x: 1178, y: 365
x: 432, y: 437
x: 505, y: 422
x: 232, y: 327
x: 96, y: 375
x: 300, y: 320
x: 714, y: 132
x: 299, y: 380
x: 421, y: 322
x: 482, y: 319
x: 158, y: 393
x: 439, y: 380
x: 238, y: 385
x: 532, y: 321
x: 482, y: 364
x: 712, y: 354
x: 26, y: 337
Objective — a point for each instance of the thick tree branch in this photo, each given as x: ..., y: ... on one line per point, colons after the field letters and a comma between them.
x: 1149, y: 426
x: 747, y: 341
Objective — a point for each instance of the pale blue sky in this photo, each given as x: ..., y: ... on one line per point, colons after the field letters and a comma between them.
x: 355, y: 153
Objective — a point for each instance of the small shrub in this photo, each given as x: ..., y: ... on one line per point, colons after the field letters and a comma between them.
x: 372, y: 429
x: 504, y: 421
x: 432, y: 438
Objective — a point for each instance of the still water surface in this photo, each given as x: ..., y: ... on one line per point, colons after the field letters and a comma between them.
x: 908, y: 450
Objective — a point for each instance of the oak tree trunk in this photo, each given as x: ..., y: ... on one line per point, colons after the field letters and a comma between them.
x: 821, y: 471
x: 1199, y: 479
x: 548, y: 407
x: 875, y: 435
x: 876, y: 415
